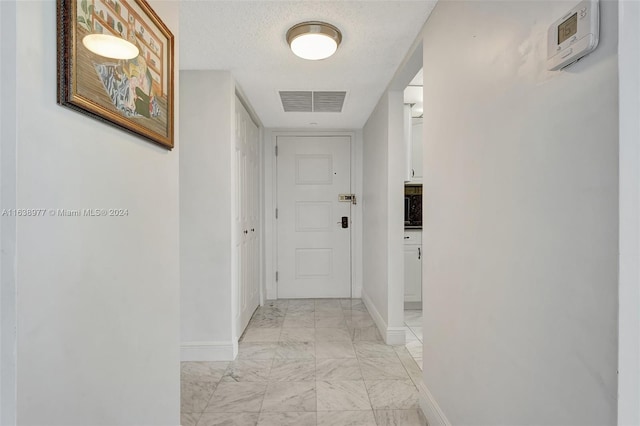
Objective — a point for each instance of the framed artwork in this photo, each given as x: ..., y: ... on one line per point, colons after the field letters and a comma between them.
x: 133, y: 94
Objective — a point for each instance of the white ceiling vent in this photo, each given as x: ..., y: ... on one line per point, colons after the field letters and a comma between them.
x: 305, y: 101
x: 328, y: 101
x: 297, y: 101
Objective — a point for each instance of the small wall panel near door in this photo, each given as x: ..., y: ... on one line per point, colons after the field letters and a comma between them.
x: 246, y: 217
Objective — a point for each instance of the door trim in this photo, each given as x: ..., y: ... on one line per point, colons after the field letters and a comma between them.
x: 270, y: 199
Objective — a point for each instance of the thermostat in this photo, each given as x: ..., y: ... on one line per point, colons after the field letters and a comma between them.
x: 574, y: 35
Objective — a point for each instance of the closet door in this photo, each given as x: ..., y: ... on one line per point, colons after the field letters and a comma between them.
x: 246, y: 218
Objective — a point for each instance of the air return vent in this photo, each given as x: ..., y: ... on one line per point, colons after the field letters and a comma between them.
x: 305, y: 101
x: 297, y: 101
x: 328, y: 101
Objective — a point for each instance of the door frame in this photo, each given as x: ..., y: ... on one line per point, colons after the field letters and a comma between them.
x: 270, y: 199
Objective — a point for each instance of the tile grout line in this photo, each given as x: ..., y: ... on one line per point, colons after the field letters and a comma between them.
x: 197, y: 421
x: 211, y: 396
x: 264, y: 395
x: 273, y: 358
x: 366, y: 390
x: 315, y: 361
x: 364, y: 382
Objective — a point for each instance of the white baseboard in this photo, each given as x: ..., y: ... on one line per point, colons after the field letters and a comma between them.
x: 357, y: 293
x: 413, y: 305
x: 430, y: 408
x: 396, y: 336
x: 391, y: 335
x: 208, y: 351
x: 373, y: 311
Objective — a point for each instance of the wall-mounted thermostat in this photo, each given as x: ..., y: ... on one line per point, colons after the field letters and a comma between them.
x: 574, y: 35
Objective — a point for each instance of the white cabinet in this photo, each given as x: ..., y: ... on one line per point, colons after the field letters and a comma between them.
x: 408, y: 141
x: 416, y: 150
x: 413, y: 266
x: 413, y: 147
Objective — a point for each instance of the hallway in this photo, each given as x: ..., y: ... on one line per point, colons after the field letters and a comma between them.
x: 305, y: 362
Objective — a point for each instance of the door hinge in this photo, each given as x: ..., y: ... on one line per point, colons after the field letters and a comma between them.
x: 276, y: 212
x: 276, y: 150
x: 276, y: 276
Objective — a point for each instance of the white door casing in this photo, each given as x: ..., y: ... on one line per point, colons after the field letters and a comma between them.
x: 247, y: 217
x: 314, y: 250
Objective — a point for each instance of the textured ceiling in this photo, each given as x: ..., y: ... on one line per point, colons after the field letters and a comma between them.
x: 248, y: 39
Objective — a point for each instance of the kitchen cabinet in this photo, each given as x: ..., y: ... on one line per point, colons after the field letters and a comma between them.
x: 413, y: 147
x: 413, y: 265
x: 416, y: 150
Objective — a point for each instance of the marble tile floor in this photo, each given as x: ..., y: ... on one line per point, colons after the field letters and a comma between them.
x: 316, y: 362
x: 413, y: 332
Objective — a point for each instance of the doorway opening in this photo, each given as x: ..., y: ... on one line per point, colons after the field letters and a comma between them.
x: 413, y: 196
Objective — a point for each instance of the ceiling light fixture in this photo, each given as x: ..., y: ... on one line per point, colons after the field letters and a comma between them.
x: 314, y: 40
x: 110, y: 46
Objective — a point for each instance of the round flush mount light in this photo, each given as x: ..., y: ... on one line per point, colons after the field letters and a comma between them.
x: 314, y: 40
x: 110, y: 46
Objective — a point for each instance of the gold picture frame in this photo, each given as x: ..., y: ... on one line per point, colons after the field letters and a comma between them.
x: 135, y: 95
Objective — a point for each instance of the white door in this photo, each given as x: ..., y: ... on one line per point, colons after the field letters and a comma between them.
x: 246, y: 217
x: 314, y: 250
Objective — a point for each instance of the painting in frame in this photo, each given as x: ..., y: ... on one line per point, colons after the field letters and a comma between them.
x: 133, y: 94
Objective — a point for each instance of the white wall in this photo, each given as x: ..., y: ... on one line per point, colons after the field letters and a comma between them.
x: 207, y: 104
x: 98, y: 297
x: 375, y: 199
x: 521, y: 218
x: 629, y: 317
x: 382, y: 207
x: 395, y: 218
x: 7, y: 201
